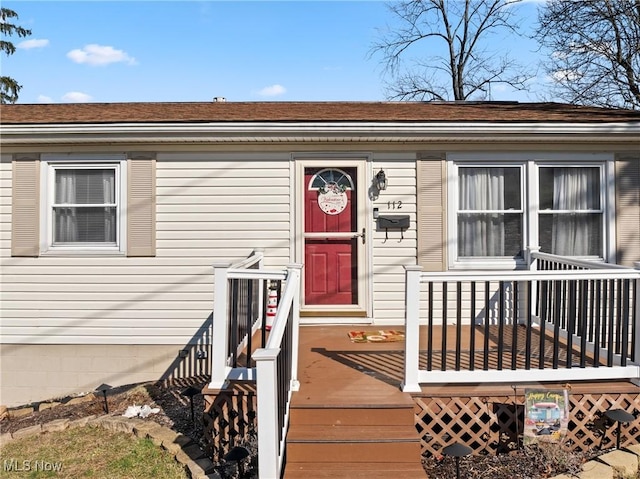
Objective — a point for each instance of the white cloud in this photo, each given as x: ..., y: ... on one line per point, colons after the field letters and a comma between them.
x: 100, y: 55
x: 76, y: 97
x: 33, y: 43
x: 565, y: 75
x: 273, y: 90
x: 44, y: 99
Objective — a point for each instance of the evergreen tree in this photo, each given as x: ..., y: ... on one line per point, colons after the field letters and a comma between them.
x: 9, y: 88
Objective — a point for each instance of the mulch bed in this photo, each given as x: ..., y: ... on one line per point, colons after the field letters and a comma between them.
x: 175, y: 410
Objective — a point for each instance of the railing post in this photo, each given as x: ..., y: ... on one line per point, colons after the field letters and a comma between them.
x: 412, y: 329
x: 259, y: 252
x: 261, y: 313
x: 268, y: 437
x: 635, y: 314
x: 532, y: 265
x: 295, y: 271
x: 219, y: 340
x: 529, y: 257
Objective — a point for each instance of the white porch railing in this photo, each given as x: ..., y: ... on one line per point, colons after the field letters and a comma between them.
x: 545, y: 261
x: 239, y: 308
x: 277, y: 379
x: 560, y: 324
x: 240, y: 295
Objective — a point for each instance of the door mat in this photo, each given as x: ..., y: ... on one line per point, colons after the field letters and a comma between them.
x: 381, y: 336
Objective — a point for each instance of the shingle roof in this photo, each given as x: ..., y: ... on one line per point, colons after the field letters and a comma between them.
x: 200, y: 112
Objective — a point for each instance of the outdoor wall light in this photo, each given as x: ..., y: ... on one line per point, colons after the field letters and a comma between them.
x: 381, y: 180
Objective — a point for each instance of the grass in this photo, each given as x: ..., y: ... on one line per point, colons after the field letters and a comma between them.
x: 87, y: 452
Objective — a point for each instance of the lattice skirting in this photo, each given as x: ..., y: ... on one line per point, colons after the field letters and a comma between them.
x: 230, y: 420
x: 488, y: 424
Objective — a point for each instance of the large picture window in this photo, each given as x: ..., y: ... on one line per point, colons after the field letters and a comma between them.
x: 498, y: 208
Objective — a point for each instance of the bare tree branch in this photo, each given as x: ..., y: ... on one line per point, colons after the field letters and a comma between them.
x: 439, y: 43
x: 594, y: 50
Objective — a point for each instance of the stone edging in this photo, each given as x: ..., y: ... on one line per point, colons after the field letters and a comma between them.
x: 181, y: 447
x: 625, y: 461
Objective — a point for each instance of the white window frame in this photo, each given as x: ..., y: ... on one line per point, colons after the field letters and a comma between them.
x: 49, y: 165
x: 530, y: 164
x: 602, y: 200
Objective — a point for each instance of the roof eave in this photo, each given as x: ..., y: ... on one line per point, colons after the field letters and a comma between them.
x: 216, y: 132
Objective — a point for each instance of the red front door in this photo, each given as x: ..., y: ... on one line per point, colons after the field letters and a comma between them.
x: 330, y: 246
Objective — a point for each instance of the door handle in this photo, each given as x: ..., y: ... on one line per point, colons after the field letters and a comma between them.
x: 361, y: 235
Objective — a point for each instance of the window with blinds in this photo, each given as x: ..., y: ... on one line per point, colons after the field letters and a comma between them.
x: 85, y: 207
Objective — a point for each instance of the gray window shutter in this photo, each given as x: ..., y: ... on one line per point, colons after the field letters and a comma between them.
x: 25, y: 206
x: 141, y: 205
x: 628, y: 210
x: 431, y: 213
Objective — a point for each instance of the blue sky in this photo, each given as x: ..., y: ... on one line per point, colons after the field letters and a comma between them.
x: 120, y: 51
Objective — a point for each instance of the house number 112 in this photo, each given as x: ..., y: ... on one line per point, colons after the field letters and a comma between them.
x: 394, y: 205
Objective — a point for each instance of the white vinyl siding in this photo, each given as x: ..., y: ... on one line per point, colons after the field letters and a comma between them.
x: 222, y: 207
x: 393, y: 251
x: 210, y: 207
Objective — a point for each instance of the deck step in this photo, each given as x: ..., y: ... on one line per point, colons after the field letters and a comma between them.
x: 392, y: 415
x: 347, y: 421
x: 299, y: 434
x: 353, y: 451
x: 355, y: 470
x: 334, y: 439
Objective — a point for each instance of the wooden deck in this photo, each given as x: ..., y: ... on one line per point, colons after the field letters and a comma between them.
x: 376, y: 369
x: 350, y: 418
x: 337, y: 376
x: 333, y: 370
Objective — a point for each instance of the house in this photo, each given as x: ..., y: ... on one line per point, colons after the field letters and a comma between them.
x: 113, y: 215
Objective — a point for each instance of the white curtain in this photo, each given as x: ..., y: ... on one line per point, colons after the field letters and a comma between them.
x: 66, y: 230
x: 574, y: 189
x: 108, y: 193
x: 481, y: 234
